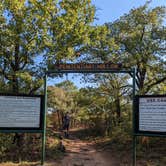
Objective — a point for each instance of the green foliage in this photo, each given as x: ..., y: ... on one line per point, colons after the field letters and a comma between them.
x: 69, y: 30
x: 5, y: 144
x: 60, y: 96
x: 141, y: 36
x: 96, y: 108
x: 32, y: 30
x: 34, y: 35
x: 20, y: 38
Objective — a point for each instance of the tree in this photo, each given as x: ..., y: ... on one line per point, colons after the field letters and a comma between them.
x: 69, y: 30
x: 52, y: 30
x: 57, y: 101
x: 117, y: 88
x: 141, y: 38
x: 61, y: 99
x: 20, y: 44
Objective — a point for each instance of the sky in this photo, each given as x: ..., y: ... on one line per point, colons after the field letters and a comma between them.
x: 108, y: 11
x: 111, y: 10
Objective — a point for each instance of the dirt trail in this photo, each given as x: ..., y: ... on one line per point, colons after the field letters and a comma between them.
x: 83, y: 153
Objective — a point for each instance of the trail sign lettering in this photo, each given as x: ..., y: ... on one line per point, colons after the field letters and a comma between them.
x: 87, y: 66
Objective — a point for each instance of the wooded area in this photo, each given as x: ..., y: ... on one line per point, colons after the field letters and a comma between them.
x: 35, y: 35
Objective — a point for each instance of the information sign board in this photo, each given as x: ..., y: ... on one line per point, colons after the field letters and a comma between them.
x: 150, y: 114
x: 21, y: 112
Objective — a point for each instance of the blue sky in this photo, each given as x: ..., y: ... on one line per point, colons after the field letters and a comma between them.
x: 108, y: 11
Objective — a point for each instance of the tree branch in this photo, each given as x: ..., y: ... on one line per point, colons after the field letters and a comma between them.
x: 155, y: 83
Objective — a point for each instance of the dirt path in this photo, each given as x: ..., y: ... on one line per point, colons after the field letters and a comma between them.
x: 83, y: 153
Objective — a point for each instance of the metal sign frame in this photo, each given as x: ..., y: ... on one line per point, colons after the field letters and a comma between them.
x: 95, y: 68
x: 40, y: 130
x: 139, y: 132
x: 26, y: 129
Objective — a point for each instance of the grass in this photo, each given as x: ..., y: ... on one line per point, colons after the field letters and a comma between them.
x: 20, y: 164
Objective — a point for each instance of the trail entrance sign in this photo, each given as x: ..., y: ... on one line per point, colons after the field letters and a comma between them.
x: 93, y: 68
x: 86, y: 68
x: 21, y: 112
x: 150, y: 115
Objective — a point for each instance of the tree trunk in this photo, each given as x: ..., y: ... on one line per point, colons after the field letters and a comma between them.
x: 118, y: 109
x: 59, y: 122
x: 15, y: 86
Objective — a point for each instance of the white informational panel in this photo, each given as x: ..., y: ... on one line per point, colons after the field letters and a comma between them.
x: 20, y: 112
x: 152, y: 114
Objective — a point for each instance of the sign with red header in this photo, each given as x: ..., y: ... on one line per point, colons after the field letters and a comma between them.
x: 87, y: 66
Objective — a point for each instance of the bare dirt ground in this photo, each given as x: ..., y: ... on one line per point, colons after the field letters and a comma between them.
x: 83, y: 153
x: 87, y: 152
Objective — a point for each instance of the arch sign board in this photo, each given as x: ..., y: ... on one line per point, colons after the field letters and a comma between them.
x: 21, y: 112
x: 86, y: 68
x: 150, y: 115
